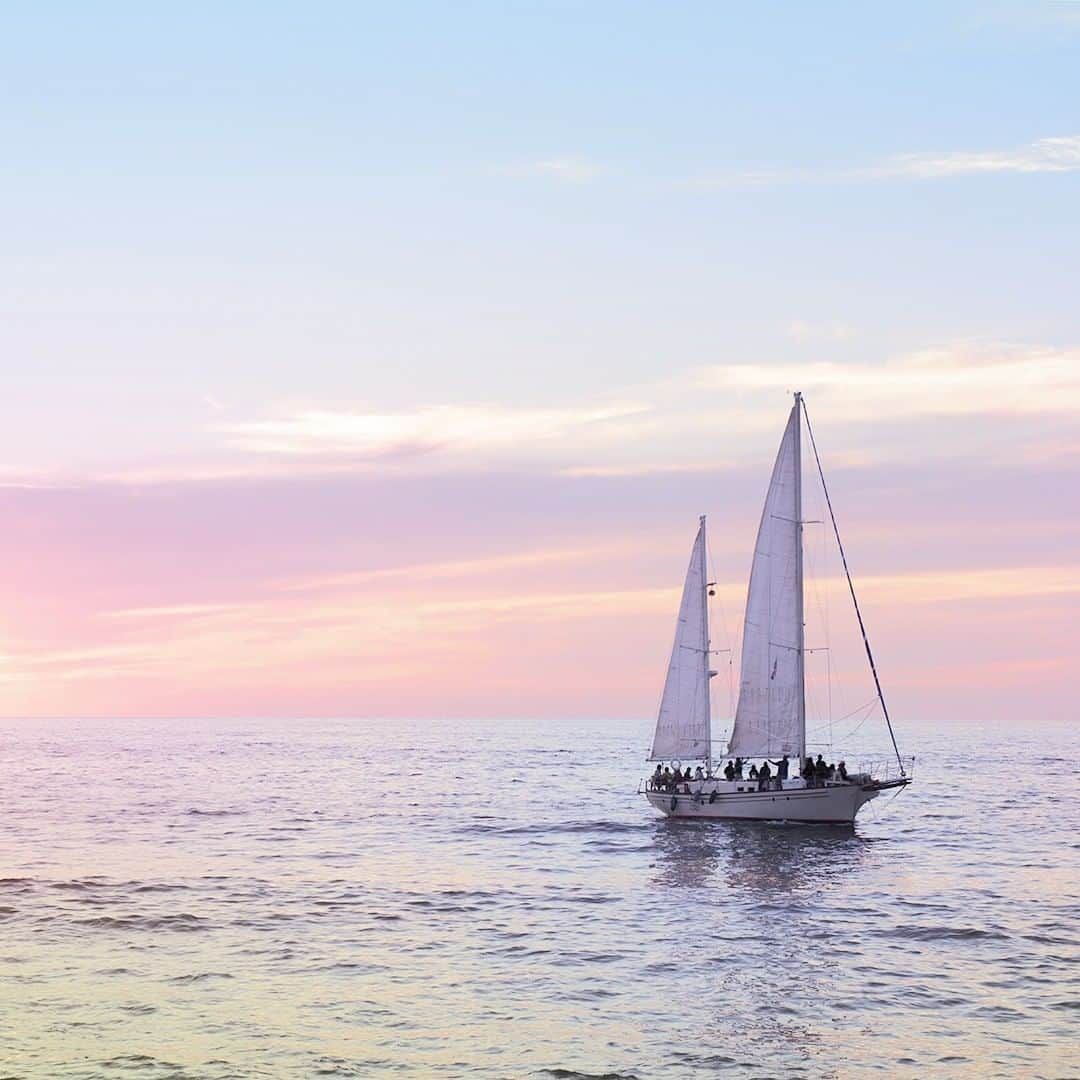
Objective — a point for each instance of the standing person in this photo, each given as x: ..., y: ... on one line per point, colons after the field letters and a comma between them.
x: 738, y: 768
x: 764, y: 776
x: 782, y: 768
x: 729, y: 771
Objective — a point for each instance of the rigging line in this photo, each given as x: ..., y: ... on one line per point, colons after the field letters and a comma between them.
x: 851, y: 587
x: 855, y: 730
x: 847, y: 716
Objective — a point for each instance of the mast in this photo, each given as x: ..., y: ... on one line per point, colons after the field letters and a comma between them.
x: 705, y: 651
x: 800, y: 627
x: 854, y: 601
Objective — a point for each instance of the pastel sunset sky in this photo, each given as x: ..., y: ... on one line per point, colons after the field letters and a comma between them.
x: 378, y: 359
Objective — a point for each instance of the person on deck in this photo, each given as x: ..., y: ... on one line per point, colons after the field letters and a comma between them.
x: 808, y: 771
x: 764, y: 776
x: 729, y: 771
x: 699, y: 773
x: 753, y: 772
x: 821, y: 771
x: 657, y: 777
x: 738, y: 768
x: 842, y: 770
x: 782, y: 768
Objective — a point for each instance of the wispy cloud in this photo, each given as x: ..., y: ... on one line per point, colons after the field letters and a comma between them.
x: 702, y: 419
x: 1054, y: 154
x: 457, y: 568
x: 464, y: 427
x: 955, y: 380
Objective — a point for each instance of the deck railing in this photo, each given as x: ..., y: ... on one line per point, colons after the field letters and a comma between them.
x: 883, y: 769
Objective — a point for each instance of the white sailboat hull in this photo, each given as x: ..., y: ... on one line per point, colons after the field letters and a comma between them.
x: 833, y: 805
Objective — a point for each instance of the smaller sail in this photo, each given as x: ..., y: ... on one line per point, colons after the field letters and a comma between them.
x: 682, y: 728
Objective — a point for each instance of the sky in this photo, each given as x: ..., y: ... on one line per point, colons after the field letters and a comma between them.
x: 378, y: 359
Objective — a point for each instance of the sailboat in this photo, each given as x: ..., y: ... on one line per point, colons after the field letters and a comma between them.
x: 770, y: 717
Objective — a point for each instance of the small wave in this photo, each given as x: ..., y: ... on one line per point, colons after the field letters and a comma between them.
x: 198, y: 977
x: 573, y: 1074
x: 195, y: 812
x: 608, y: 828
x: 142, y: 1062
x: 999, y: 1013
x: 183, y: 922
x: 943, y: 933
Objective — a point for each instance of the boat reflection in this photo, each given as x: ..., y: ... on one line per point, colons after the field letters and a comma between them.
x: 761, y: 856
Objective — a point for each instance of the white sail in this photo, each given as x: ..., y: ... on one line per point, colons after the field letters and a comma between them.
x: 770, y: 719
x: 683, y: 726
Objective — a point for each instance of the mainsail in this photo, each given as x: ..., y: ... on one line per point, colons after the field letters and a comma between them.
x: 683, y: 726
x: 771, y: 715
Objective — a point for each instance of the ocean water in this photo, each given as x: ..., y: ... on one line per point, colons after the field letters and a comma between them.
x: 491, y: 899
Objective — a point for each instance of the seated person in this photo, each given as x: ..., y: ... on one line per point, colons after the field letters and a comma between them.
x: 753, y: 772
x: 699, y: 773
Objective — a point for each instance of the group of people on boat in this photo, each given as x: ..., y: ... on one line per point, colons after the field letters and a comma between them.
x: 815, y: 773
x: 664, y: 778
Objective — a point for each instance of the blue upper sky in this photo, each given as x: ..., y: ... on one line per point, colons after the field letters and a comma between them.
x: 233, y: 209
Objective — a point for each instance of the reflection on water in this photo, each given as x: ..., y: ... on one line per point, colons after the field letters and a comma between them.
x: 765, y: 945
x: 762, y: 856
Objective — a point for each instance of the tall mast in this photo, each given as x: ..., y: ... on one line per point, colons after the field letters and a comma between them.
x: 800, y: 628
x: 705, y: 649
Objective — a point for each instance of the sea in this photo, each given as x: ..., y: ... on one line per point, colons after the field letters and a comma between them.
x: 493, y: 899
